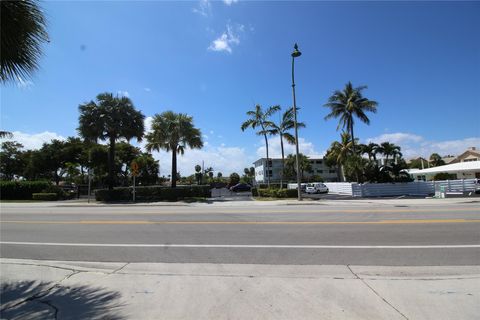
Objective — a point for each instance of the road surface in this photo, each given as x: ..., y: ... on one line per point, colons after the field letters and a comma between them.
x: 373, y: 233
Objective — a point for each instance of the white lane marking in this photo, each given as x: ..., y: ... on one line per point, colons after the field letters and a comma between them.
x: 166, y: 245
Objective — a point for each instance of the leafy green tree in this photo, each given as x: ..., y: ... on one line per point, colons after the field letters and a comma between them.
x: 173, y: 132
x: 282, y: 129
x: 198, y: 174
x: 23, y: 30
x: 149, y: 169
x: 290, y: 166
x: 339, y: 152
x: 349, y: 104
x: 6, y: 134
x: 234, y: 179
x: 436, y: 160
x: 110, y: 118
x: 125, y: 153
x: 219, y: 175
x: 11, y: 161
x: 418, y: 163
x: 258, y: 118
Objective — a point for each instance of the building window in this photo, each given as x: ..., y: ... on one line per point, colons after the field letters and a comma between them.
x: 468, y: 160
x: 270, y: 173
x: 319, y: 171
x: 331, y: 171
x: 319, y: 161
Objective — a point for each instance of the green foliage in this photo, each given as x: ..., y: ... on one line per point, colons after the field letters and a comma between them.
x: 443, y: 176
x: 290, y: 166
x: 21, y: 190
x: 12, y: 162
x: 110, y: 119
x: 45, y: 196
x: 254, y: 192
x: 23, y: 31
x: 173, y: 132
x: 234, y: 179
x: 436, y: 160
x: 277, y: 193
x: 153, y: 193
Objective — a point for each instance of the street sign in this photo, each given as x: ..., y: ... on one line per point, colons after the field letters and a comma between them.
x: 134, y: 168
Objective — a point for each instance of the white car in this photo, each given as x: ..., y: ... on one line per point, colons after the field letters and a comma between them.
x: 316, y: 188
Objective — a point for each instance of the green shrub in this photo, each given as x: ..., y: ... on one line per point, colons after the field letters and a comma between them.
x: 44, y: 196
x: 61, y: 194
x: 21, y: 190
x: 255, y: 192
x: 277, y: 193
x: 153, y: 193
x: 444, y: 176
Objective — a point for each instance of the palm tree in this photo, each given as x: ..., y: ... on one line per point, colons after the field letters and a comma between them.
x: 389, y: 149
x: 6, y: 134
x: 348, y: 104
x: 436, y: 160
x: 23, y: 30
x: 370, y: 150
x: 110, y: 119
x: 282, y: 129
x: 259, y: 119
x: 173, y: 132
x: 339, y: 152
x: 304, y: 165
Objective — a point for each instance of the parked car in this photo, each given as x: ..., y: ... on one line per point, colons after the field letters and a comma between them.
x: 241, y: 187
x: 316, y: 188
x: 477, y: 186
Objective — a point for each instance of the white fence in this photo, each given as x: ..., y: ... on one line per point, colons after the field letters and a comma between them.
x: 420, y: 188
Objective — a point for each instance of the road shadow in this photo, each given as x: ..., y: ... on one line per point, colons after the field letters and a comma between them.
x: 46, y: 300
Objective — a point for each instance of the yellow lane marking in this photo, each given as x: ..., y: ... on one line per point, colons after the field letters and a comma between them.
x: 133, y: 222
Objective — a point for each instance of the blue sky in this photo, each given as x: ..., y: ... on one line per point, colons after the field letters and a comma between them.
x: 215, y: 60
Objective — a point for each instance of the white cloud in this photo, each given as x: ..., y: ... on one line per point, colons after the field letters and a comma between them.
x: 227, y: 39
x: 415, y: 146
x: 123, y: 93
x: 35, y: 140
x: 204, y: 8
x: 275, y: 150
x: 147, y: 89
x: 230, y: 2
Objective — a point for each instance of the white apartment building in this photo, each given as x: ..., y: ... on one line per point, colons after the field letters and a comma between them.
x: 275, y: 170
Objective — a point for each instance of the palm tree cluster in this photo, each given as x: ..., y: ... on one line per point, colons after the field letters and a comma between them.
x: 261, y: 120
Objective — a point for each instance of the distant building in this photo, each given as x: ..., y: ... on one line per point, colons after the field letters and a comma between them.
x: 319, y: 168
x: 459, y: 170
x: 471, y: 154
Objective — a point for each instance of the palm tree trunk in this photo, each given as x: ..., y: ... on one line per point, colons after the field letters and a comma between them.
x: 268, y: 163
x: 174, y: 168
x: 111, y: 162
x: 353, y: 148
x: 283, y: 161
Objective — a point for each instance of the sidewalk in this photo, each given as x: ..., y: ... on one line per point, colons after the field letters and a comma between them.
x: 88, y: 290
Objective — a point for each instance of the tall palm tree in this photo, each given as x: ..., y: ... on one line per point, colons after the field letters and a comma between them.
x: 389, y: 149
x: 348, y: 104
x: 173, y: 132
x: 282, y: 129
x: 110, y: 118
x: 339, y: 152
x: 259, y: 119
x: 23, y: 30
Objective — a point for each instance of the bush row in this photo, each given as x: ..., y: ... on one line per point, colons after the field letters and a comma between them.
x: 45, y: 196
x: 276, y: 193
x: 152, y: 193
x: 21, y: 190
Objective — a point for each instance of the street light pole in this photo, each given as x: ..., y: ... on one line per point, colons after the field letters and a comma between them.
x: 296, y: 54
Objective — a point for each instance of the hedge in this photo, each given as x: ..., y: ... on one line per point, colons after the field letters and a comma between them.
x: 21, y: 190
x: 45, y: 196
x: 153, y: 193
x: 277, y: 193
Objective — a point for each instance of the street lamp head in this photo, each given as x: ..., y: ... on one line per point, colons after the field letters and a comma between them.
x: 295, y: 52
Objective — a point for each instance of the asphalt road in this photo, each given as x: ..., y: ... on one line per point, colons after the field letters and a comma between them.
x: 371, y: 234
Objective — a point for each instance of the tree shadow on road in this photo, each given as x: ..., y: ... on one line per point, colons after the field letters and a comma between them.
x: 48, y: 300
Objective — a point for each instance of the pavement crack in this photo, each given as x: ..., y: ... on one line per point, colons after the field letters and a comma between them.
x: 119, y: 269
x: 376, y: 293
